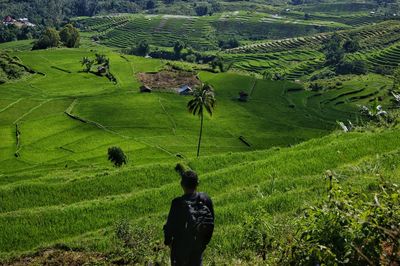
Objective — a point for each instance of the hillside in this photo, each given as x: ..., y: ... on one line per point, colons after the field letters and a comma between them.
x: 82, y: 204
x: 300, y: 153
x: 57, y: 186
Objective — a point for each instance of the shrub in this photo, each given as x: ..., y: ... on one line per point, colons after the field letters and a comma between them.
x: 178, y: 47
x: 49, y: 38
x: 351, y: 45
x: 191, y: 58
x: 117, y: 156
x: 324, y: 74
x: 349, y: 229
x: 357, y: 67
x: 143, y: 48
x: 315, y: 86
x: 255, y: 235
x: 228, y: 44
x: 69, y: 36
x: 201, y: 10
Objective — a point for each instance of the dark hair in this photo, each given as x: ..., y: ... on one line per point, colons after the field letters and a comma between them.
x: 190, y: 179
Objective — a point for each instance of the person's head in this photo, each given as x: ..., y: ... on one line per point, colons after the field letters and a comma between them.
x: 189, y: 181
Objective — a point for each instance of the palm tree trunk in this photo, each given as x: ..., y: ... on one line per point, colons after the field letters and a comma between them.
x: 201, y: 132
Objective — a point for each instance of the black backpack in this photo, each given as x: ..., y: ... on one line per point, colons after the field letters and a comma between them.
x: 200, y: 220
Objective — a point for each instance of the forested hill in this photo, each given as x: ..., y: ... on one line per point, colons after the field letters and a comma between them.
x: 51, y: 12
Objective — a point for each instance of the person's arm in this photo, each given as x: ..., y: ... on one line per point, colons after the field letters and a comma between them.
x: 169, y: 226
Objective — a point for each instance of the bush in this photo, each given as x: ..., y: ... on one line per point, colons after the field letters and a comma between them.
x: 383, y: 70
x: 357, y: 67
x: 69, y: 36
x: 315, y: 86
x: 143, y: 48
x: 191, y: 58
x: 117, y: 156
x: 201, y: 10
x: 228, y: 44
x: 324, y: 74
x: 349, y: 229
x: 49, y: 38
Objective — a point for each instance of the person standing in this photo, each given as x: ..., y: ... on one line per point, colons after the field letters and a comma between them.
x: 190, y: 223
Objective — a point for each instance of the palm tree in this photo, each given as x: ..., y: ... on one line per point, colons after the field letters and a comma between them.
x: 88, y: 63
x: 203, y: 98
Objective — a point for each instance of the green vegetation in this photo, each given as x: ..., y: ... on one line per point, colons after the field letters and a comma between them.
x: 49, y: 38
x: 203, y: 99
x: 70, y: 36
x: 11, y: 68
x: 117, y: 156
x: 284, y: 80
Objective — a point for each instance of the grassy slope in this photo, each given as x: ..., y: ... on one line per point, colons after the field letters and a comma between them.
x: 68, y: 203
x: 61, y: 189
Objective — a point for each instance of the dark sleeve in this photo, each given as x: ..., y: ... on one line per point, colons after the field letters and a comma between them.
x: 169, y: 227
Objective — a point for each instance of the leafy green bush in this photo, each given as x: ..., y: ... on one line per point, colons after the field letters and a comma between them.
x: 117, y: 156
x: 349, y: 228
x: 69, y: 36
x: 49, y: 38
x: 357, y: 67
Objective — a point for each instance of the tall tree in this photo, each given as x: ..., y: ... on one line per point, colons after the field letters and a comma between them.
x: 203, y: 98
x: 178, y: 47
x: 333, y: 50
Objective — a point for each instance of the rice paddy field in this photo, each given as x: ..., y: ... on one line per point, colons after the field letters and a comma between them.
x: 59, y: 192
x: 57, y: 187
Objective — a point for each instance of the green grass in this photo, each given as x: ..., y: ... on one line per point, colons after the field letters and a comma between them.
x: 62, y: 189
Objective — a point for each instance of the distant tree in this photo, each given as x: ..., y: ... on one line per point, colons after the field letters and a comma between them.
x: 117, y: 156
x: 203, y: 98
x: 191, y: 58
x: 351, y: 45
x: 49, y: 38
x: 357, y: 67
x: 143, y: 48
x: 168, y: 2
x: 87, y: 63
x: 333, y: 50
x: 151, y: 4
x: 101, y: 59
x: 178, y: 47
x: 217, y: 62
x: 231, y: 43
x: 201, y: 10
x: 216, y: 6
x: 297, y: 2
x: 69, y: 36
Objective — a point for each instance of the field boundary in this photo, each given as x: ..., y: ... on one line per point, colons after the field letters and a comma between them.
x: 31, y: 110
x: 11, y: 105
x: 169, y: 116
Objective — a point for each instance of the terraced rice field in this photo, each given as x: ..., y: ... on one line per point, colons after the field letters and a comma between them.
x: 201, y: 33
x: 57, y: 186
x: 370, y: 37
x: 292, y: 64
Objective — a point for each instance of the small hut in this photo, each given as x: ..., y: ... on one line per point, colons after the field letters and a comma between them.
x: 185, y: 90
x: 102, y: 70
x: 243, y: 96
x: 145, y: 89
